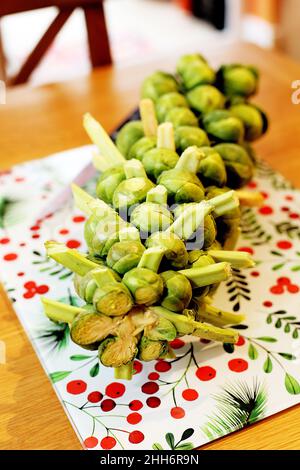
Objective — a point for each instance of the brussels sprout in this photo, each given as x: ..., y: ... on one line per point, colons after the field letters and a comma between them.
x: 108, y: 182
x: 116, y: 352
x: 178, y: 291
x: 222, y: 125
x: 157, y: 84
x: 152, y: 215
x: 124, y: 256
x: 175, y: 250
x: 205, y: 228
x: 212, y: 170
x: 111, y: 297
x: 194, y: 70
x: 90, y: 328
x: 187, y: 136
x: 181, y: 117
x: 236, y: 79
x: 130, y: 133
x: 134, y: 189
x: 255, y: 121
x: 150, y: 350
x: 157, y: 160
x: 239, y: 166
x: 205, y: 98
x: 167, y: 102
x: 182, y: 183
x: 140, y: 147
x: 162, y: 330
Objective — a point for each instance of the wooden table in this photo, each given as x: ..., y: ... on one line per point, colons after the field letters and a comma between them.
x: 36, y: 122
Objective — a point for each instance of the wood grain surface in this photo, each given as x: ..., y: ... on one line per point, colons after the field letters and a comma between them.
x: 39, y: 121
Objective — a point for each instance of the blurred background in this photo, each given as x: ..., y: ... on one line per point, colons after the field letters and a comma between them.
x: 132, y: 31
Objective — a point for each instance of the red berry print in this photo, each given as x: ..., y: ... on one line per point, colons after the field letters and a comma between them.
x: 267, y: 303
x: 289, y: 198
x: 95, y: 397
x: 90, y: 442
x: 20, y: 274
x: 64, y: 231
x: 284, y: 245
x: 247, y: 249
x: 264, y: 194
x: 43, y: 289
x: 162, y: 366
x: 240, y: 341
x: 36, y: 235
x: 137, y: 367
x: 153, y: 376
x: 108, y: 442
x: 32, y: 289
x: 22, y: 244
x: 4, y: 241
x: 277, y: 290
x: 135, y: 405
x: 293, y: 289
x: 150, y: 388
x: 29, y: 294
x: 134, y: 418
x: 10, y: 257
x: 238, y: 365
x: 283, y: 281
x: 35, y: 227
x: 206, y: 373
x: 252, y: 184
x: 73, y: 244
x: 254, y: 274
x: 48, y: 216
x: 153, y: 402
x: 265, y: 210
x: 30, y: 285
x: 177, y: 343
x: 177, y: 412
x: 78, y: 219
x: 19, y: 179
x: 107, y: 405
x: 293, y: 215
x: 135, y: 437
x: 115, y: 390
x: 190, y: 394
x: 285, y: 209
x: 75, y: 387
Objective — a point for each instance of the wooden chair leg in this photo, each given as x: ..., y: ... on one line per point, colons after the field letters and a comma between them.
x: 97, y: 35
x: 43, y: 45
x: 2, y: 61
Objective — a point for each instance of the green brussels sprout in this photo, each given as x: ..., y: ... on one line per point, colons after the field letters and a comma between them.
x: 194, y: 70
x: 157, y: 160
x: 108, y: 182
x: 255, y: 121
x: 150, y: 350
x: 182, y: 185
x: 111, y: 297
x: 89, y: 328
x: 222, y: 125
x: 178, y: 291
x: 212, y: 170
x: 238, y: 79
x: 239, y: 166
x: 157, y: 84
x: 145, y: 285
x: 124, y: 256
x: 181, y: 117
x: 205, y: 98
x: 116, y: 352
x: 175, y: 250
x: 150, y: 217
x: 85, y: 286
x: 131, y: 191
x: 187, y: 136
x: 167, y: 102
x: 140, y: 147
x: 130, y: 133
x: 162, y: 330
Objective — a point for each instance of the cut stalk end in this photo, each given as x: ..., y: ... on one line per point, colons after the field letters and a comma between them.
x: 165, y: 136
x: 148, y: 116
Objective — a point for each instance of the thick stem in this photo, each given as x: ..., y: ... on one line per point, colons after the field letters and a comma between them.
x: 101, y: 163
x: 165, y: 136
x: 224, y: 203
x: 69, y: 258
x: 207, y: 275
x: 158, y: 195
x: 152, y: 258
x: 250, y: 198
x: 57, y: 311
x: 134, y: 169
x: 190, y: 159
x: 124, y: 372
x: 104, y: 143
x: 129, y: 234
x: 148, y: 116
x: 209, y: 313
x: 190, y: 220
x: 104, y: 276
x: 87, y: 203
x: 237, y: 259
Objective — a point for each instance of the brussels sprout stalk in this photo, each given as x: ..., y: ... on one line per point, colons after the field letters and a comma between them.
x: 124, y: 372
x: 211, y: 274
x: 237, y: 259
x: 250, y: 198
x: 86, y: 203
x: 69, y: 258
x: 190, y: 220
x: 148, y: 116
x: 190, y: 159
x: 165, y: 136
x: 59, y: 312
x: 209, y: 313
x: 134, y: 169
x: 152, y: 258
x: 158, y: 195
